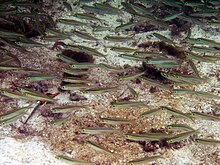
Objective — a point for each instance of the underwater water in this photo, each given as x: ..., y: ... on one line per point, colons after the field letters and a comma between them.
x: 110, y: 82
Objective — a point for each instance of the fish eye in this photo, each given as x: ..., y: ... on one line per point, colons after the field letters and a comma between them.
x: 127, y: 136
x: 169, y: 127
x: 63, y: 87
x: 57, y: 157
x: 58, y: 55
x: 170, y: 141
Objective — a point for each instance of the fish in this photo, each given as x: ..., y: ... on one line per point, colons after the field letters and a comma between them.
x: 207, y: 141
x: 72, y: 22
x: 167, y: 65
x: 202, y: 41
x: 197, y: 93
x: 160, y: 61
x: 204, y: 14
x: 97, y: 147
x: 131, y: 77
x: 175, y: 112
x: 118, y: 38
x: 163, y: 38
x: 101, y: 28
x: 180, y: 127
x: 133, y: 92
x: 12, y: 119
x: 150, y: 112
x: 87, y: 16
x: 59, y: 121
x: 96, y: 9
x: 68, y: 108
x: 191, y: 20
x: 204, y: 116
x: 75, y: 87
x: 132, y: 57
x: 142, y: 137
x: 26, y: 4
x: 213, y: 23
x: 40, y: 77
x: 6, y: 33
x: 176, y: 77
x: 145, y: 54
x: 98, y: 130
x: 194, y: 68
x: 204, y: 49
x: 56, y: 32
x: 128, y: 8
x: 84, y: 35
x: 202, y: 58
x: 6, y: 21
x: 115, y: 121
x: 3, y: 62
x: 145, y: 160
x: 83, y: 65
x: 14, y: 113
x: 23, y: 41
x: 123, y: 49
x: 54, y: 38
x: 75, y: 72
x: 173, y: 3
x: 10, y: 94
x: 88, y: 50
x: 141, y: 9
x: 66, y: 58
x: 100, y: 90
x: 148, y: 3
x: 85, y: 1
x: 126, y: 104
x: 112, y: 68
x: 194, y: 3
x: 180, y: 136
x: 72, y: 161
x: 8, y: 11
x: 76, y: 80
x: 155, y: 83
x: 35, y: 95
x: 172, y: 16
x: 107, y: 7
x: 16, y: 68
x: 128, y: 25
